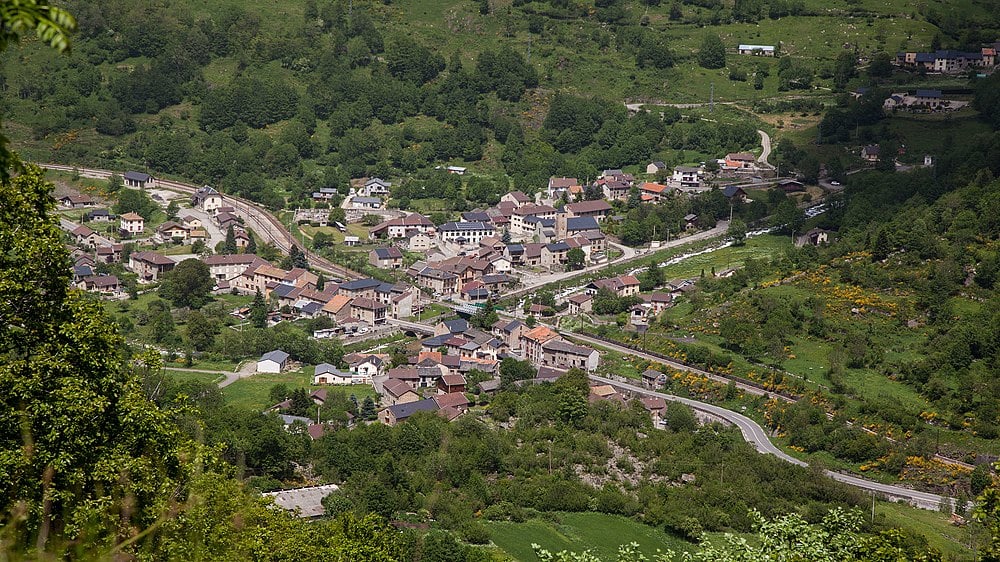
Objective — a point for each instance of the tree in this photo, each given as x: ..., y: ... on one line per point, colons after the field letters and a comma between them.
x: 485, y: 317
x: 320, y: 281
x: 880, y: 246
x: 513, y: 370
x: 74, y: 417
x: 172, y: 210
x: 135, y: 201
x: 368, y: 408
x: 252, y: 244
x: 258, y: 311
x: 844, y: 69
x: 712, y: 53
x: 738, y: 232
x: 229, y: 246
x: 880, y: 66
x: 575, y: 259
x: 201, y: 331
x: 189, y: 284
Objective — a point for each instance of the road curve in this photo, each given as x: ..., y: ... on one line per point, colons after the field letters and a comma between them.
x: 263, y: 222
x: 765, y: 144
x: 754, y: 434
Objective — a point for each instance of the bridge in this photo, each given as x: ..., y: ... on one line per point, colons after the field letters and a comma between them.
x: 415, y: 327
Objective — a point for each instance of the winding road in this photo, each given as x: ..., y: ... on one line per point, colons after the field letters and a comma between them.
x: 264, y: 223
x: 754, y: 434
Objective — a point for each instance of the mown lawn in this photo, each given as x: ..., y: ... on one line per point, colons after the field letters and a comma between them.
x: 253, y: 392
x: 597, y: 532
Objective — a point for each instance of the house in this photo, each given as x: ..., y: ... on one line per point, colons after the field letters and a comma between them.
x: 417, y: 241
x: 615, y: 189
x: 735, y: 193
x: 369, y: 310
x: 272, y: 362
x: 533, y: 340
x: 687, y: 176
x: 791, y: 186
x: 741, y: 161
x: 599, y: 209
x: 400, y: 226
x: 77, y: 201
x: 351, y: 241
x: 691, y: 221
x: 99, y: 215
x: 172, y: 231
x: 139, y: 180
x: 757, y: 50
x: 110, y: 254
x: 225, y: 267
x: 386, y: 258
x: 559, y: 353
x: 650, y: 191
x: 457, y: 170
x: 654, y: 379
x: 440, y: 282
x: 456, y: 400
x: 361, y: 202
x: 465, y: 233
x: 815, y: 237
x: 655, y: 167
x: 401, y: 412
x: 367, y: 366
x: 658, y: 301
x: 375, y: 187
x: 559, y: 186
x: 655, y: 405
x: 207, y: 199
x: 509, y: 332
x: 131, y: 224
x: 870, y: 153
x: 359, y: 288
x: 103, y: 284
x: 605, y: 392
x: 337, y: 307
x: 328, y: 374
x: 149, y: 266
x: 398, y: 391
x: 623, y: 286
x: 519, y: 223
x: 85, y: 236
x: 325, y: 194
x: 571, y: 226
x: 580, y: 303
x: 448, y: 384
x: 554, y: 254
x: 518, y: 198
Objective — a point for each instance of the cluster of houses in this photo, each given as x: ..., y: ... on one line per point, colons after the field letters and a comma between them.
x: 650, y: 306
x: 922, y: 101
x: 950, y: 61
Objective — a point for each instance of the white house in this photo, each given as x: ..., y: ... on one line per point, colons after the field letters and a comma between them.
x: 328, y: 374
x: 763, y: 50
x: 207, y: 199
x: 375, y: 187
x: 272, y: 362
x: 132, y: 224
x: 138, y: 179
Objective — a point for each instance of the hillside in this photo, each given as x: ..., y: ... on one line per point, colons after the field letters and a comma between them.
x: 273, y: 102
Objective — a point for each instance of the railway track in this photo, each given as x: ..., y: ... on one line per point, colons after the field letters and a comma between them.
x: 263, y: 222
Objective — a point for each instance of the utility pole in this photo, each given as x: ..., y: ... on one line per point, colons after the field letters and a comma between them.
x: 711, y: 99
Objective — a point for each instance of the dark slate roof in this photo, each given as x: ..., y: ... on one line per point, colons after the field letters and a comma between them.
x: 457, y: 326
x: 731, y: 190
x: 390, y: 253
x: 312, y: 307
x: 277, y: 356
x: 515, y: 248
x: 403, y: 411
x: 464, y: 226
x: 582, y: 223
x: 475, y: 216
x: 283, y: 290
x: 928, y: 93
x: 558, y: 247
x: 137, y: 176
x: 436, y: 341
x: 360, y: 284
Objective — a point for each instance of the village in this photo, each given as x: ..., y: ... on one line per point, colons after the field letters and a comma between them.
x: 460, y: 268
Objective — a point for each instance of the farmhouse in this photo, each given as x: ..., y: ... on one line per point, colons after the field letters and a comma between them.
x: 759, y: 50
x: 207, y: 199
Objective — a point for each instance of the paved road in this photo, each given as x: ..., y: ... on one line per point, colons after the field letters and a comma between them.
x: 258, y: 218
x: 765, y: 144
x: 634, y: 107
x: 754, y: 434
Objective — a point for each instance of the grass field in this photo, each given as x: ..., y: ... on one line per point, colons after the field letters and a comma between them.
x: 597, y: 532
x: 934, y: 526
x: 184, y: 376
x: 252, y: 392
